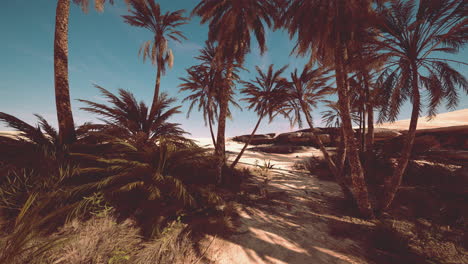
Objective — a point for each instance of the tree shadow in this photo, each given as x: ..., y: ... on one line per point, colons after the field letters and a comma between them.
x: 290, y: 223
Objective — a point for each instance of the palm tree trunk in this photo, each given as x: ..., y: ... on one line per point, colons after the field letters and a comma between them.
x: 247, y: 143
x: 359, y: 134
x: 370, y: 128
x: 363, y: 134
x: 336, y: 171
x: 156, y: 90
x: 67, y: 133
x: 220, y: 150
x: 392, y: 185
x: 210, y: 121
x: 357, y: 173
x: 341, y: 152
x: 370, y: 116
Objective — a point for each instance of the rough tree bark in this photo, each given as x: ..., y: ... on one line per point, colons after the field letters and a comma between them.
x: 370, y: 116
x: 220, y: 150
x: 156, y: 90
x: 359, y: 186
x: 210, y: 123
x: 67, y: 133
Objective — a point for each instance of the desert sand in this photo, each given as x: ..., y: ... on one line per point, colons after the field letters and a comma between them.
x: 299, y: 227
x: 298, y: 224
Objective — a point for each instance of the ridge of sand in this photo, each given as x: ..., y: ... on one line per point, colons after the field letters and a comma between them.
x: 454, y: 118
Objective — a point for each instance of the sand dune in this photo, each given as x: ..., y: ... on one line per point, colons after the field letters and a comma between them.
x: 455, y: 118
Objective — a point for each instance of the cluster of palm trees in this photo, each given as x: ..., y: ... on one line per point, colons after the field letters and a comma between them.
x: 374, y: 55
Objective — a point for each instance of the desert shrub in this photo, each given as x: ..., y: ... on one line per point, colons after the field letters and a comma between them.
x: 319, y: 167
x: 173, y: 247
x: 135, y: 165
x: 152, y: 182
x: 99, y: 240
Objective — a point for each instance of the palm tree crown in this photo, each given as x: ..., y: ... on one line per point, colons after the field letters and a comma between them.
x: 98, y: 4
x: 267, y: 94
x: 319, y: 24
x: 413, y: 38
x: 307, y: 89
x: 231, y: 22
x: 147, y: 14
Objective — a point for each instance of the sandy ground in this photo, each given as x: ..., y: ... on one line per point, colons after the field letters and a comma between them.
x: 299, y: 224
x: 295, y: 223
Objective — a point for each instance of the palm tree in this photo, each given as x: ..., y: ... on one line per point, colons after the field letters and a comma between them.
x: 230, y: 25
x: 199, y: 83
x: 130, y: 119
x: 267, y: 96
x: 414, y: 36
x: 145, y: 156
x: 326, y: 29
x: 305, y: 91
x: 147, y: 14
x: 34, y: 147
x: 62, y: 90
x: 331, y: 117
x: 366, y: 60
x: 204, y: 81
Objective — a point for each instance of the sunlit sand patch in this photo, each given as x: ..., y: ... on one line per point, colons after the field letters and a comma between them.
x: 278, y: 240
x: 336, y: 255
x: 351, y: 220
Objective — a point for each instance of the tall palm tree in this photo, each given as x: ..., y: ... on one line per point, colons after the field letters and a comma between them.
x: 415, y: 36
x: 67, y: 133
x: 305, y: 91
x: 326, y: 29
x: 147, y: 14
x: 204, y: 81
x: 267, y: 96
x: 231, y: 23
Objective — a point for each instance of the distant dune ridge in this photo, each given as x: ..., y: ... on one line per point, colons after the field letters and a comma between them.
x: 455, y: 118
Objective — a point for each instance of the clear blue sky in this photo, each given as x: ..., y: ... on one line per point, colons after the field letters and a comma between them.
x: 104, y: 50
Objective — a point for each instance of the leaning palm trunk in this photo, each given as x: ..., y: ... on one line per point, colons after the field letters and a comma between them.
x: 247, y: 143
x: 357, y: 174
x: 156, y: 90
x: 210, y: 121
x: 392, y: 184
x: 62, y: 91
x: 337, y: 171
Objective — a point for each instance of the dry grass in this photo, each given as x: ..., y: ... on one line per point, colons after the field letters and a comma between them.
x: 102, y: 240
x: 98, y: 240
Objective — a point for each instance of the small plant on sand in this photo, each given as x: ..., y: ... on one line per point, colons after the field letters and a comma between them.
x: 264, y: 171
x: 265, y: 168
